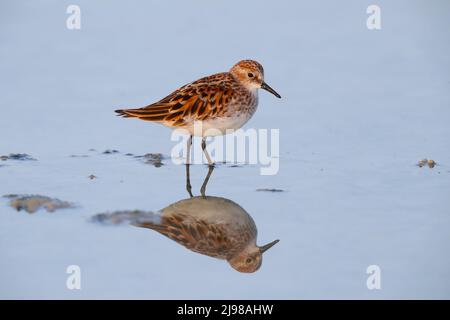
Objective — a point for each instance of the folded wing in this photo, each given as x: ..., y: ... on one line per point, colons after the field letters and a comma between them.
x: 192, y: 102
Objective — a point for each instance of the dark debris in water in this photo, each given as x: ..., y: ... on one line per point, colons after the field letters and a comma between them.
x: 79, y: 156
x: 227, y: 164
x: 269, y: 190
x: 154, y: 159
x: 17, y: 156
x: 134, y: 217
x: 32, y: 203
x: 110, y: 151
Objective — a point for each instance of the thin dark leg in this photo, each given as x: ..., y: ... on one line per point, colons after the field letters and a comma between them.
x: 210, y: 163
x: 188, y: 181
x: 203, y: 188
x: 188, y: 150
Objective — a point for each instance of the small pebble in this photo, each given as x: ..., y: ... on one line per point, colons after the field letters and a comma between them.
x: 429, y: 162
x: 422, y: 162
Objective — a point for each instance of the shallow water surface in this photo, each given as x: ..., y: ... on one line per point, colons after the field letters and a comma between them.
x: 360, y: 109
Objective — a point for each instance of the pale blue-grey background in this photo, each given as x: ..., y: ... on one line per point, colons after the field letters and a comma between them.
x: 359, y: 109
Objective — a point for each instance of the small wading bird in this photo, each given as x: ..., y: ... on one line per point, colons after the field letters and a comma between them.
x: 213, y: 226
x: 222, y: 102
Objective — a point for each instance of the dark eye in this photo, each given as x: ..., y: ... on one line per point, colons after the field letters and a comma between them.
x: 250, y: 75
x: 248, y: 260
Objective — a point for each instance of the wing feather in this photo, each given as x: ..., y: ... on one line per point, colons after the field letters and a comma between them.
x: 194, y: 234
x: 194, y: 101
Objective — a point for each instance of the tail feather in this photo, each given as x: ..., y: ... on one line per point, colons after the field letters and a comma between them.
x: 149, y: 114
x: 122, y: 113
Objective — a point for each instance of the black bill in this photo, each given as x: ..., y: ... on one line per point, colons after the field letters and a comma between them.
x: 266, y: 87
x: 268, y: 246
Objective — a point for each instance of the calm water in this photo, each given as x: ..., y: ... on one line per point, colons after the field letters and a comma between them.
x: 360, y: 108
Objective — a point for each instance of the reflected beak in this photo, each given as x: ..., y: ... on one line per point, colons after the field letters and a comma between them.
x: 266, y: 87
x: 266, y: 247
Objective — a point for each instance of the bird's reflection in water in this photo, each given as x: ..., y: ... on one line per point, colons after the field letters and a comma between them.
x: 212, y: 226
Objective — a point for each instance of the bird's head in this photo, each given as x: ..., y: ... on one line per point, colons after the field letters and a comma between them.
x: 250, y: 258
x: 251, y: 75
